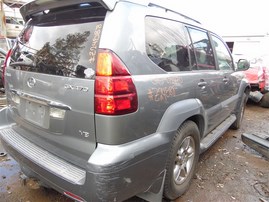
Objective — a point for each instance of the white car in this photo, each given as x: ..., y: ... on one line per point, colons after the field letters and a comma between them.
x: 13, y: 26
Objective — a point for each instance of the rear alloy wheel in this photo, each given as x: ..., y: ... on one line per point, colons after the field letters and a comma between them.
x: 182, y: 160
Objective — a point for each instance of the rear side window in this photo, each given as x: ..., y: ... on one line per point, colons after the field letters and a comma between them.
x: 167, y: 44
x: 61, y: 42
x: 203, y: 49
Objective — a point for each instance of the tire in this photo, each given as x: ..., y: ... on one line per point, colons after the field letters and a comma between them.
x: 265, y: 100
x: 240, y: 113
x: 182, y: 160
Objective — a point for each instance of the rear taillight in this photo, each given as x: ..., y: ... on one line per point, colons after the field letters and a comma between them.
x: 6, y: 62
x: 115, y: 92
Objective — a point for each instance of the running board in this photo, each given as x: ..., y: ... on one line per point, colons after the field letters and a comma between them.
x: 257, y: 142
x: 214, y: 135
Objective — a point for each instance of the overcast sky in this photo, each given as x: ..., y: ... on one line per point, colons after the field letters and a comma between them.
x: 229, y: 17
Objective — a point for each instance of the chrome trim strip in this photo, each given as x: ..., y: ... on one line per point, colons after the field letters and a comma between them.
x: 40, y: 100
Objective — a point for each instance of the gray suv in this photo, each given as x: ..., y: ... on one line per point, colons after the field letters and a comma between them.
x: 112, y: 99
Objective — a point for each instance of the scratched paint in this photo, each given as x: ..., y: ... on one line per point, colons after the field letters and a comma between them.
x: 164, y: 88
x: 96, y: 38
x: 161, y: 94
x: 167, y: 81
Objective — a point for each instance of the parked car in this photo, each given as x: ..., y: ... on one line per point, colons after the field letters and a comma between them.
x: 13, y: 19
x: 258, y: 77
x: 112, y: 99
x: 13, y: 26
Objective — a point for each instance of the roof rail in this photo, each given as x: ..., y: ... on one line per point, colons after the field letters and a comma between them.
x: 167, y: 9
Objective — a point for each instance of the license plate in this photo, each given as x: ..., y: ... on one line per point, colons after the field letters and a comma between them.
x: 37, y: 114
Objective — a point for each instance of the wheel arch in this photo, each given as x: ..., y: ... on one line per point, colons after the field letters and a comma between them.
x: 200, y: 122
x: 244, y: 88
x: 179, y: 112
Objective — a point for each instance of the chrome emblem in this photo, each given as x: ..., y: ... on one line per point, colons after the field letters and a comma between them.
x: 78, y: 88
x: 31, y: 82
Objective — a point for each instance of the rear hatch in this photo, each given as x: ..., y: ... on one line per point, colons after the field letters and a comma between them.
x: 50, y: 78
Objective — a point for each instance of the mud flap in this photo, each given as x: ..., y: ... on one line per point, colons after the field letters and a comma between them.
x: 260, y: 143
x: 154, y: 197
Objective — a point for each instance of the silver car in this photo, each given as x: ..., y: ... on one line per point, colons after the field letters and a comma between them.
x: 112, y: 99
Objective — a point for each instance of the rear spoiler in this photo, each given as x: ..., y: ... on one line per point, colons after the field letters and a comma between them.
x: 38, y: 6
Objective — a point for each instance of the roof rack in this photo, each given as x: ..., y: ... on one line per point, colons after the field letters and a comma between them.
x: 167, y: 9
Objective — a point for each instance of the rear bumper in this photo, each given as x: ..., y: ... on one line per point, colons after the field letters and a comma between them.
x: 112, y: 172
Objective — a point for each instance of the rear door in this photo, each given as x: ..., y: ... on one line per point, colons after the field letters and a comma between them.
x: 50, y: 79
x: 206, y: 76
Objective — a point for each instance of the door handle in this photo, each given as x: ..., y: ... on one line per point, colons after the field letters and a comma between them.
x: 202, y: 84
x: 225, y: 80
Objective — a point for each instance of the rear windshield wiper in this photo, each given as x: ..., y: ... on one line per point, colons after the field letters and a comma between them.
x: 16, y: 64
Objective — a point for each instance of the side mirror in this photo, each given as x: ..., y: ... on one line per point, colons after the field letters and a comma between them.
x: 243, y: 65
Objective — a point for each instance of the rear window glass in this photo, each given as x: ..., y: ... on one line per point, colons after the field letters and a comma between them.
x: 167, y: 44
x: 60, y: 43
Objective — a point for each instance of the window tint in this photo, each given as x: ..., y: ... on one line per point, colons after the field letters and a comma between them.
x: 167, y: 44
x: 223, y: 55
x: 202, y: 49
x: 61, y: 43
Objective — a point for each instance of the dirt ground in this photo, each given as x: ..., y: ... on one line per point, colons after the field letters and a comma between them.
x: 228, y: 171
